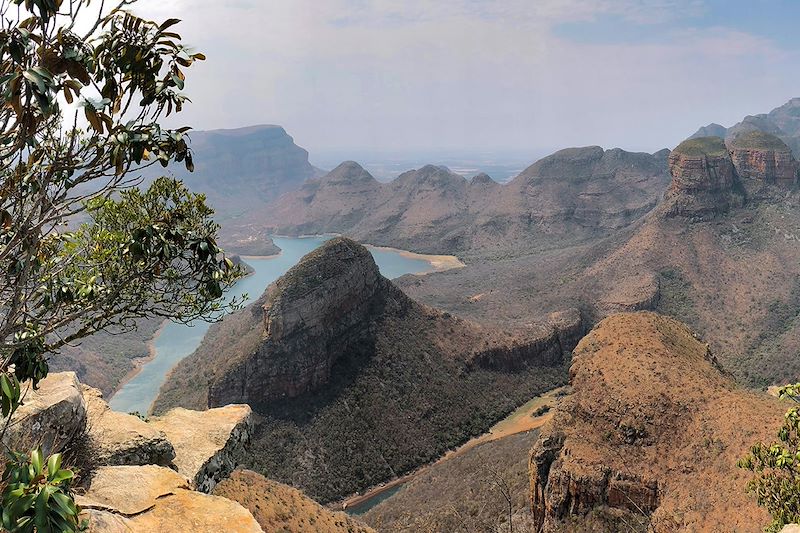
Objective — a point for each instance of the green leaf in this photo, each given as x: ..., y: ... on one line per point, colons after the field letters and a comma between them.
x: 37, y: 461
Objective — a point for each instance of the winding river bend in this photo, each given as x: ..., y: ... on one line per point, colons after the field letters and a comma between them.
x: 173, y: 341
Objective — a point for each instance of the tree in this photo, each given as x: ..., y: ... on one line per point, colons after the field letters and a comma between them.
x: 776, y: 467
x: 82, y: 249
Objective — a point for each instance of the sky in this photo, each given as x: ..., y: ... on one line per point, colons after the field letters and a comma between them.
x: 491, y: 76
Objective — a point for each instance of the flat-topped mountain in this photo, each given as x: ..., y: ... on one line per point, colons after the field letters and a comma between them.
x: 783, y: 122
x: 240, y: 171
x: 574, y: 194
x: 704, y: 181
x: 609, y: 459
x: 355, y: 382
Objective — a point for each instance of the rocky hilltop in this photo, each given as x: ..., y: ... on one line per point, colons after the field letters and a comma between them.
x: 609, y: 459
x: 783, y: 122
x: 704, y: 181
x: 762, y: 160
x: 344, y: 368
x: 571, y: 195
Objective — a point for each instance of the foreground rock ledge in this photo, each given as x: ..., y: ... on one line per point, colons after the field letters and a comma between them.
x: 650, y: 435
x: 206, y: 442
x: 123, y: 439
x: 147, y: 499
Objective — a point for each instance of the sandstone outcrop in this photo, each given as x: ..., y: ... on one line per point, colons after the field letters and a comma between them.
x: 122, y: 439
x: 279, y: 507
x: 761, y: 160
x: 144, y: 499
x: 50, y: 416
x: 206, y: 442
x: 704, y: 181
x: 610, y: 454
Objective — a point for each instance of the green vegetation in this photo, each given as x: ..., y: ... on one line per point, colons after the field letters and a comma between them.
x: 758, y: 140
x: 702, y: 146
x: 776, y: 468
x: 388, y: 412
x: 36, y: 496
x: 82, y: 249
x: 675, y: 298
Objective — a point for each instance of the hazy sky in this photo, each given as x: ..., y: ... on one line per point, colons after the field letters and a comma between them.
x: 491, y: 75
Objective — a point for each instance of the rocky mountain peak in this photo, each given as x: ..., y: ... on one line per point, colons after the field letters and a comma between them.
x: 311, y: 315
x: 578, y: 162
x: 483, y: 179
x: 349, y: 171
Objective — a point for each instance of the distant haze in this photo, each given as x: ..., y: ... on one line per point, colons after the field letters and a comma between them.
x: 517, y: 76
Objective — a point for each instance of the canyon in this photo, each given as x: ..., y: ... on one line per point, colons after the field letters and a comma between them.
x: 332, y: 347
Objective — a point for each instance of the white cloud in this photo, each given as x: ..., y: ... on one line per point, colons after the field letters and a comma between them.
x: 468, y: 73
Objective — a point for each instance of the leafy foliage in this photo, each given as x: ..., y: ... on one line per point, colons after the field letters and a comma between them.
x: 776, y: 466
x: 37, y: 495
x: 82, y: 249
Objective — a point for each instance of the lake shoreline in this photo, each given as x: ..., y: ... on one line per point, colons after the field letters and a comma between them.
x: 439, y: 263
x: 140, y: 362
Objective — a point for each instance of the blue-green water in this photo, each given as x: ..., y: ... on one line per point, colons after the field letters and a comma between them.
x: 176, y: 341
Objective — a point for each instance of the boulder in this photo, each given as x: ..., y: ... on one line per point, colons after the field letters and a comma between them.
x: 206, y: 442
x: 143, y: 499
x: 50, y: 416
x: 122, y: 439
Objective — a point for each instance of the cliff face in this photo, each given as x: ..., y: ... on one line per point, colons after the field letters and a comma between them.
x: 762, y: 159
x: 610, y: 455
x: 704, y: 181
x: 574, y: 194
x: 311, y: 316
x: 354, y: 381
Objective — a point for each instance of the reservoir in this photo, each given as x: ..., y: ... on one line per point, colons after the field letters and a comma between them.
x: 175, y: 341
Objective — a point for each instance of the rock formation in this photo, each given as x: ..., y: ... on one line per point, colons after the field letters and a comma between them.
x: 332, y: 346
x: 49, y: 416
x: 206, y: 443
x: 610, y: 455
x: 121, y: 439
x: 140, y: 477
x: 574, y: 194
x: 144, y: 499
x: 762, y: 160
x: 704, y: 181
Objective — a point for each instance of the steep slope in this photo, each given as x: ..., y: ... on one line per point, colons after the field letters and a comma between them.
x: 464, y: 494
x: 355, y: 382
x: 704, y: 181
x: 278, y: 507
x: 609, y: 459
x: 575, y: 194
x: 241, y: 171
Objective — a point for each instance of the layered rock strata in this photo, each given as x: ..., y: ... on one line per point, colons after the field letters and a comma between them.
x: 704, y: 181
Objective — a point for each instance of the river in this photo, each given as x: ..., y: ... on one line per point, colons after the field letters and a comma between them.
x: 174, y: 341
